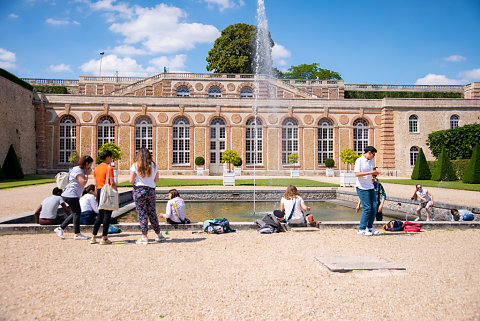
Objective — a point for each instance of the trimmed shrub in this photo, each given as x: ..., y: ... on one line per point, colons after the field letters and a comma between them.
x: 11, y: 166
x: 459, y: 166
x: 472, y: 173
x: 2, y: 175
x: 49, y: 89
x: 329, y: 163
x: 357, y: 94
x: 444, y: 168
x: 458, y: 142
x: 199, y: 161
x: 421, y: 170
x: 15, y: 79
x: 348, y: 156
x: 237, y: 162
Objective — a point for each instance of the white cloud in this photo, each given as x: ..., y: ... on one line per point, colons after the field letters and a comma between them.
x: 126, y: 50
x: 7, y: 59
x: 173, y: 64
x: 455, y: 58
x: 13, y: 16
x: 470, y: 75
x: 111, y: 64
x: 57, y: 22
x: 279, y: 53
x: 433, y: 79
x: 60, y: 68
x: 225, y: 4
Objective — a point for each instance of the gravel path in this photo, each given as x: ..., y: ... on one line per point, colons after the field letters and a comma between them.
x: 240, y: 276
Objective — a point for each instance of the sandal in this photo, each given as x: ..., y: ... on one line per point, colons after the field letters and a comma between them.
x: 93, y: 240
x: 105, y: 242
x: 142, y: 241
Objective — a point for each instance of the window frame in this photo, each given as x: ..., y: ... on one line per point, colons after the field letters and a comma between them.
x: 181, y: 141
x: 324, y: 128
x: 290, y: 139
x: 67, y: 123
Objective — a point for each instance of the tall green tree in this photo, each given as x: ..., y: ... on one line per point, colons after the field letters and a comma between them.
x: 310, y: 71
x: 444, y: 168
x: 234, y: 50
x: 421, y: 169
x: 472, y: 173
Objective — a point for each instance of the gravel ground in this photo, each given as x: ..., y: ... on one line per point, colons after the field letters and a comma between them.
x: 240, y: 276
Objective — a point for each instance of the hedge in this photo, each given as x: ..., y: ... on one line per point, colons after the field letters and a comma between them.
x: 15, y: 79
x: 459, y: 166
x: 48, y: 89
x: 358, y: 94
x: 458, y: 142
x: 472, y: 172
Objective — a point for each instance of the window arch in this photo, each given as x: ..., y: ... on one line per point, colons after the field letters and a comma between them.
x: 217, y: 140
x: 325, y: 140
x: 144, y: 133
x: 67, y: 138
x: 254, y: 153
x: 413, y: 124
x: 183, y: 91
x: 246, y: 92
x: 105, y: 131
x: 413, y: 155
x: 289, y: 138
x: 181, y: 141
x: 454, y: 121
x: 360, y: 135
x: 214, y: 91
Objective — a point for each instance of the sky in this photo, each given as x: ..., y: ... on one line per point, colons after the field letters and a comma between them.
x: 367, y: 42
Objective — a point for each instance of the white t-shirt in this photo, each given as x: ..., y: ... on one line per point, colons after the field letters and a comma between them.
x: 297, y: 217
x: 144, y: 181
x: 50, y: 206
x: 88, y: 202
x: 171, y: 213
x: 74, y: 189
x: 424, y: 194
x: 364, y: 165
x: 462, y: 213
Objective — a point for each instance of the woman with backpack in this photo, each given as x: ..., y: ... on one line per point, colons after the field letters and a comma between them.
x: 426, y: 201
x: 143, y: 176
x: 292, y: 205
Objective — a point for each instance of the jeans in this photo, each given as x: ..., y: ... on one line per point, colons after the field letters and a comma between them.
x: 74, y: 204
x: 369, y: 204
x: 88, y: 217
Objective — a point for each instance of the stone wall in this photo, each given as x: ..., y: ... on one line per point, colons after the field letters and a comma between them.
x: 17, y: 124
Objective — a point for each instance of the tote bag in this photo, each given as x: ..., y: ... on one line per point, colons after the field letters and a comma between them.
x: 108, y: 196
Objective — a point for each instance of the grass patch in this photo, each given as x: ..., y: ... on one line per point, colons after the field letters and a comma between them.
x: 299, y: 182
x: 28, y: 180
x: 430, y: 183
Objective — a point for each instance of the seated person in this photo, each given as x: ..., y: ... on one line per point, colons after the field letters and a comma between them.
x: 461, y: 215
x: 46, y: 213
x: 88, y: 205
x: 292, y: 205
x: 175, y: 209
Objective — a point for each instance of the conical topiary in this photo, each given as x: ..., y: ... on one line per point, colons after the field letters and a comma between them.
x: 444, y: 168
x: 11, y: 166
x: 421, y: 170
x: 472, y: 173
x: 2, y: 175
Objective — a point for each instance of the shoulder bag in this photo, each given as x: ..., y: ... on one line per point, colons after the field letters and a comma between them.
x: 108, y: 196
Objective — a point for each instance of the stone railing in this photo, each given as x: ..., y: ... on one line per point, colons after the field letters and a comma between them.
x: 109, y: 79
x: 418, y: 88
x: 54, y: 82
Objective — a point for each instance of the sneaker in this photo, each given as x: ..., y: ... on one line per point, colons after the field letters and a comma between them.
x: 93, y: 240
x: 365, y: 232
x: 417, y: 219
x: 105, y: 242
x: 80, y: 237
x: 160, y: 238
x: 59, y: 233
x: 373, y: 231
x: 142, y: 241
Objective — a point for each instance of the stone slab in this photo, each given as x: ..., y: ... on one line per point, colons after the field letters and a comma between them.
x: 351, y: 263
x: 304, y: 229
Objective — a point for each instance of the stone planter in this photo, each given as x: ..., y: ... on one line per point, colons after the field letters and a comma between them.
x: 330, y: 172
x: 237, y: 171
x: 200, y: 171
x: 229, y: 179
x: 294, y: 173
x: 347, y: 179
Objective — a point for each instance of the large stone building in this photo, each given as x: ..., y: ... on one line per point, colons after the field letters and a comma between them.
x: 182, y: 116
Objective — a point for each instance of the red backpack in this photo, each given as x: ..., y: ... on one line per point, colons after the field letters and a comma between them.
x: 411, y: 226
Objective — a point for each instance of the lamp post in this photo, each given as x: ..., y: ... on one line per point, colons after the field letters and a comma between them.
x: 101, y: 56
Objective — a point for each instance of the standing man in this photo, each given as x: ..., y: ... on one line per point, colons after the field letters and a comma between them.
x: 366, y: 191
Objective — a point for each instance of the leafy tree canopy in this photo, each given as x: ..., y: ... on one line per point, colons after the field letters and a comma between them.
x: 310, y: 71
x: 234, y: 50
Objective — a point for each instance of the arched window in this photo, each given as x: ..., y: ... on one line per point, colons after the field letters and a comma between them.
x: 289, y: 138
x: 214, y: 91
x: 183, y: 91
x: 144, y: 133
x: 105, y: 131
x: 325, y: 140
x: 413, y: 155
x: 454, y: 121
x: 246, y: 92
x: 217, y: 140
x: 360, y: 135
x: 254, y: 152
x: 67, y: 138
x: 413, y: 124
x: 181, y: 141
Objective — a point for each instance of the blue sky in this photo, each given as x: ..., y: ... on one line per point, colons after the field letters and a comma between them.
x: 367, y: 42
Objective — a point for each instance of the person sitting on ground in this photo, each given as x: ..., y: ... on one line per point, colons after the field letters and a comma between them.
x: 380, y: 196
x: 461, y: 215
x: 426, y: 201
x: 292, y: 205
x: 46, y: 213
x: 88, y: 204
x: 175, y: 209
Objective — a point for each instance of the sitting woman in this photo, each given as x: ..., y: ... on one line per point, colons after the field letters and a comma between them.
x: 88, y: 205
x: 175, y: 209
x: 292, y: 205
x: 461, y: 215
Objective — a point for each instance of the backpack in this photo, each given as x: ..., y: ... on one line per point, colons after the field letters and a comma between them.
x: 62, y: 179
x: 217, y: 226
x: 412, y: 227
x: 393, y: 225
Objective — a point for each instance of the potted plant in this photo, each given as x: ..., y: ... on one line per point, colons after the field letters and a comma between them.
x: 199, y: 161
x: 228, y: 158
x: 329, y: 164
x: 74, y: 157
x: 237, y: 163
x: 293, y: 159
x: 116, y: 155
x: 348, y: 157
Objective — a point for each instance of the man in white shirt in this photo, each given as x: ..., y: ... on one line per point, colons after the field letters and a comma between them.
x: 365, y: 190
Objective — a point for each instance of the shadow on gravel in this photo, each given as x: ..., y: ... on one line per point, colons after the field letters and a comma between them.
x: 399, y: 233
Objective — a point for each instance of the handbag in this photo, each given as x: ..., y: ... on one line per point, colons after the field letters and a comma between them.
x: 108, y: 196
